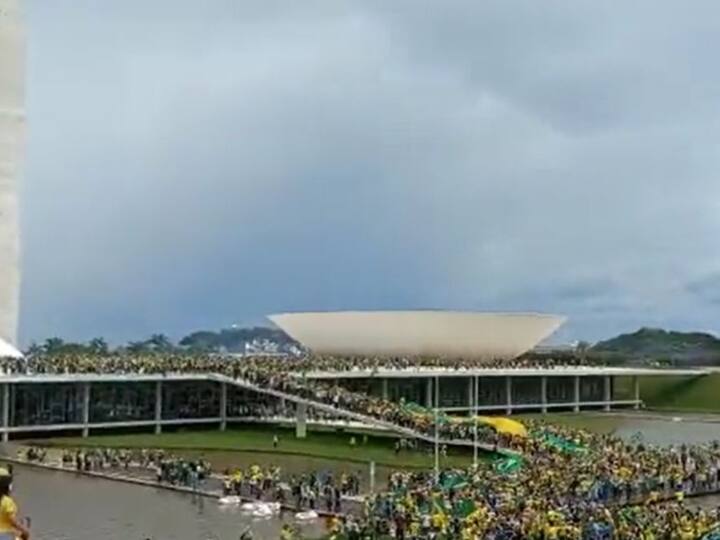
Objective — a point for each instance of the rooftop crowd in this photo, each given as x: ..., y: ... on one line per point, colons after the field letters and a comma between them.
x: 151, y: 363
x: 288, y: 375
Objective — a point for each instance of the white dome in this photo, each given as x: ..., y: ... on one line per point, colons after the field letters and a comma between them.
x: 8, y: 351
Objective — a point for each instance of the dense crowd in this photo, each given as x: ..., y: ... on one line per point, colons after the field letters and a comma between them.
x: 190, y: 473
x: 560, y: 484
x: 268, y: 372
x: 229, y: 364
x: 313, y: 490
x: 167, y: 468
x: 569, y: 485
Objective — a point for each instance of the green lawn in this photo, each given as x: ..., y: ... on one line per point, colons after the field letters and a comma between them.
x: 682, y: 394
x: 331, y: 446
x: 700, y: 394
x: 595, y: 422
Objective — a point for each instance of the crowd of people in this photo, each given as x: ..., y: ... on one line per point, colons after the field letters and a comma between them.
x: 314, y: 490
x: 177, y: 471
x: 287, y: 375
x: 93, y: 459
x: 255, y: 482
x: 323, y: 491
x: 151, y: 363
x: 569, y: 485
x: 166, y: 468
x: 563, y: 484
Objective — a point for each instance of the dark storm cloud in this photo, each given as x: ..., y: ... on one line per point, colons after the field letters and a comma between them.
x: 198, y: 164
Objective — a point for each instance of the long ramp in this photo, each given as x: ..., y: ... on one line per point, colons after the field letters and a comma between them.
x: 344, y: 413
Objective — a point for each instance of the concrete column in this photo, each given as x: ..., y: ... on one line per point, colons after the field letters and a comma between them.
x: 508, y: 394
x: 86, y: 409
x: 6, y: 411
x: 223, y: 406
x: 158, y: 406
x: 471, y: 390
x: 385, y: 388
x: 543, y: 394
x: 429, y: 393
x: 576, y: 394
x: 301, y: 421
x: 636, y: 391
x: 476, y: 399
x: 607, y: 394
x: 437, y: 429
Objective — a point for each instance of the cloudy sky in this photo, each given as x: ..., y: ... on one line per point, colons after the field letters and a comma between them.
x: 197, y: 164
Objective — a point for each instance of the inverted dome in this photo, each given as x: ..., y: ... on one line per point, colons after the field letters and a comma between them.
x: 419, y: 333
x: 8, y: 351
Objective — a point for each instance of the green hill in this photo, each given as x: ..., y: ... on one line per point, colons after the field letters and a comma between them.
x: 658, y: 344
x: 234, y: 339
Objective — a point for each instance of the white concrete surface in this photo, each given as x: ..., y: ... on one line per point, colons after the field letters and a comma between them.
x: 419, y: 333
x: 12, y: 122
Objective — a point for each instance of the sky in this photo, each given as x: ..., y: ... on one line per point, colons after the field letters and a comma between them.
x: 200, y: 164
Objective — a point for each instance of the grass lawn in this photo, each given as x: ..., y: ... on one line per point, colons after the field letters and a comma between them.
x: 699, y: 394
x: 332, y: 446
x: 594, y: 422
x: 682, y: 394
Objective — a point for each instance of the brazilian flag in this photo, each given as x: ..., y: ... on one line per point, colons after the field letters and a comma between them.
x: 454, y: 481
x: 560, y: 443
x: 509, y: 465
x: 464, y: 508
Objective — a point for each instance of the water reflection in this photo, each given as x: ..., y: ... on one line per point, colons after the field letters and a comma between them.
x: 668, y: 430
x: 68, y: 507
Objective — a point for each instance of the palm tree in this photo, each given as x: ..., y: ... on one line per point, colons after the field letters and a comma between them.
x: 136, y: 347
x: 98, y: 346
x: 34, y: 350
x: 582, y: 349
x: 53, y: 345
x: 160, y: 342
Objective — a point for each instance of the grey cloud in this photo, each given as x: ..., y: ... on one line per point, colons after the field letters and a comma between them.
x: 194, y: 166
x: 706, y: 288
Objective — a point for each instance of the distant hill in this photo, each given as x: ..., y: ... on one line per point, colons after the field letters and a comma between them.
x: 657, y: 344
x: 256, y: 338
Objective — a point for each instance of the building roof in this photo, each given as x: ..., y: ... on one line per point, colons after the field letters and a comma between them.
x: 419, y: 333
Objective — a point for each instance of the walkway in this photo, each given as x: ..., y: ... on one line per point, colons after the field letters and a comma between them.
x: 344, y: 413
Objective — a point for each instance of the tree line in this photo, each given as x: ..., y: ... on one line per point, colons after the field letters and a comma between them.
x: 225, y: 340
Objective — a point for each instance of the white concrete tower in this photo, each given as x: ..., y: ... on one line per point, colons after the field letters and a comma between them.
x: 12, y: 129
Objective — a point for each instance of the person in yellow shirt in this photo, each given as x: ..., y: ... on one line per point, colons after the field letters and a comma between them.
x: 10, y: 527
